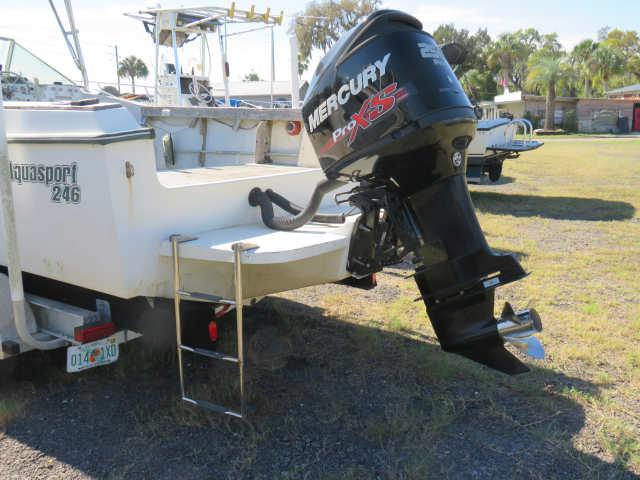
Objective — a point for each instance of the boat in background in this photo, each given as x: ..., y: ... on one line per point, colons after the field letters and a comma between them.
x: 495, y: 141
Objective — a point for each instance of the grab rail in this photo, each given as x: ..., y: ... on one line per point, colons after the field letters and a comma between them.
x: 524, y: 123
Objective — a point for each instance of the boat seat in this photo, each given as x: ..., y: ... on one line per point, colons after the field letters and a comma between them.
x: 274, y: 246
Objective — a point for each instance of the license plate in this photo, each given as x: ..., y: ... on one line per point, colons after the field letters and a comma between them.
x: 94, y: 354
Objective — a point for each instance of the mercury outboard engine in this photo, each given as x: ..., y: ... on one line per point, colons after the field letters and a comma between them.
x: 385, y: 110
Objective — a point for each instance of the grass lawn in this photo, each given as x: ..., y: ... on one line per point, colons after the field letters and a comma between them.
x: 365, y: 392
x: 570, y: 211
x: 573, y: 214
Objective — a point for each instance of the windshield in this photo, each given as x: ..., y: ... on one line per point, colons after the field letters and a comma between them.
x: 4, y: 51
x: 16, y: 59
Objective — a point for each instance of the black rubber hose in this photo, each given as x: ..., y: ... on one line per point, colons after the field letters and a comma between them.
x: 294, y: 209
x: 259, y: 198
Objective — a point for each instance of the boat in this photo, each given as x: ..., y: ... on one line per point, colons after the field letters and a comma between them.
x: 26, y: 77
x: 494, y: 143
x: 121, y: 201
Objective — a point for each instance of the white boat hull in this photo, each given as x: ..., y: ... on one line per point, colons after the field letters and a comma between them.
x: 113, y: 237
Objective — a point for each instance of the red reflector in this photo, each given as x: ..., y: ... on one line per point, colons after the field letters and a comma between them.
x: 213, y: 331
x: 91, y: 333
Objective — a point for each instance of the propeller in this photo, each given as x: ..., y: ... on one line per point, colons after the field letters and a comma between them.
x: 519, y: 329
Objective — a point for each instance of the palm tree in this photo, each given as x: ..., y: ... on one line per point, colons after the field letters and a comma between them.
x: 472, y: 83
x: 478, y: 85
x: 251, y: 77
x: 323, y: 22
x: 586, y: 66
x: 550, y: 43
x: 609, y: 62
x: 133, y: 68
x: 504, y: 55
x: 545, y: 70
x: 510, y: 52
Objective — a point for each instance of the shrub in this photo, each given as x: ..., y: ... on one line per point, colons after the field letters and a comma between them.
x: 570, y: 121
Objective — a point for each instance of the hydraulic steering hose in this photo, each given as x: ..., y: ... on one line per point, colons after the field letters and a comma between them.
x: 294, y: 209
x: 265, y: 201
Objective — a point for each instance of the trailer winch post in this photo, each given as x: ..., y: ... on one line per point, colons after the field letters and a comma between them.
x: 11, y: 247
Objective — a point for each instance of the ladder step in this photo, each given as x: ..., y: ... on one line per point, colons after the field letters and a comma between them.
x: 212, y: 407
x: 180, y: 294
x: 204, y: 297
x: 209, y: 353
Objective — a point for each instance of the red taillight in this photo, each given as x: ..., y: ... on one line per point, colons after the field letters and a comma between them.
x: 91, y: 333
x: 213, y: 331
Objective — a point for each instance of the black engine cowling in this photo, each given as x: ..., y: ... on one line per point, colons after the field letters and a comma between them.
x: 383, y: 90
x: 384, y: 109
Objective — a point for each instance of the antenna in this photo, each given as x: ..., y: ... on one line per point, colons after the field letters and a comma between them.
x: 74, y: 49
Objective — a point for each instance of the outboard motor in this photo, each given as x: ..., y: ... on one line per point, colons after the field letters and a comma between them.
x: 384, y: 109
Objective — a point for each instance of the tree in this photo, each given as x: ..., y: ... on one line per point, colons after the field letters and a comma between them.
x: 633, y: 66
x: 503, y: 56
x: 323, y: 22
x: 545, y: 70
x: 609, y: 62
x: 132, y: 67
x: 475, y: 77
x: 474, y: 44
x: 583, y: 59
x: 251, y: 77
x: 111, y: 90
x: 603, y: 32
x: 509, y: 55
x: 478, y: 84
x: 628, y: 43
x: 550, y: 43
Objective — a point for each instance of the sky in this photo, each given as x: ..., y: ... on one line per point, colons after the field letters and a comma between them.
x: 103, y: 25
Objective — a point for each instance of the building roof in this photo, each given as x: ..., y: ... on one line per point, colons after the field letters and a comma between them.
x: 628, y: 89
x: 515, y: 97
x: 542, y: 97
x: 508, y: 97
